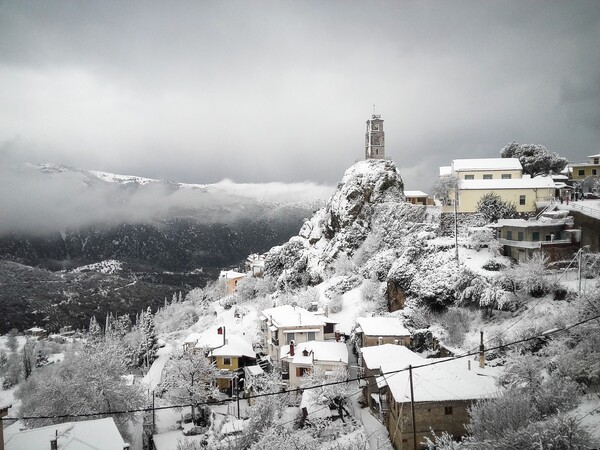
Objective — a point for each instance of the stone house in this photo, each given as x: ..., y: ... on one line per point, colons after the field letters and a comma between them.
x: 443, y: 392
x: 372, y: 358
x: 371, y: 331
x: 231, y: 278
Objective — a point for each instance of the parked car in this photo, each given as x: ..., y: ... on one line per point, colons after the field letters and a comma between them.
x: 591, y: 196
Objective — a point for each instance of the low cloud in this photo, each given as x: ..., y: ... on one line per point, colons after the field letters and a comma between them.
x: 34, y: 201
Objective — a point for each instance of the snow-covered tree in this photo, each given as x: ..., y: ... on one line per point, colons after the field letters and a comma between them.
x: 444, y: 188
x: 188, y: 379
x: 149, y: 345
x: 535, y: 159
x: 89, y: 380
x: 94, y: 333
x: 12, y: 342
x: 492, y: 208
x: 14, y: 371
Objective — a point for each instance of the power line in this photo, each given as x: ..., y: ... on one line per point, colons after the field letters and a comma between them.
x: 304, y: 388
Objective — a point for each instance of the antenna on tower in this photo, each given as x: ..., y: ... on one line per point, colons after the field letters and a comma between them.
x: 373, y: 109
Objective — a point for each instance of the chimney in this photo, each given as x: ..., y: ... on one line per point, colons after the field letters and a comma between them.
x: 304, y: 352
x: 326, y: 310
x: 54, y: 441
x: 379, y: 340
x: 291, y: 348
x: 481, y: 352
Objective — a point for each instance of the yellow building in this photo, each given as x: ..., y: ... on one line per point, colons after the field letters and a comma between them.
x: 586, y: 169
x: 500, y: 176
x: 487, y: 169
x: 527, y: 194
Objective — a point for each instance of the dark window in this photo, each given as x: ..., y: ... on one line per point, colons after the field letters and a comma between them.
x: 596, y: 160
x: 469, y: 177
x: 226, y: 361
x: 594, y: 172
x: 487, y: 176
x: 581, y: 172
x: 311, y: 336
x: 509, y: 235
x: 289, y: 337
x: 535, y: 236
x: 448, y: 410
x: 519, y: 235
x: 506, y: 176
x: 521, y: 199
x: 301, y: 371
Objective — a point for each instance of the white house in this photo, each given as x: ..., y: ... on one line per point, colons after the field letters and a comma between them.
x: 100, y: 434
x: 287, y: 323
x: 302, y: 358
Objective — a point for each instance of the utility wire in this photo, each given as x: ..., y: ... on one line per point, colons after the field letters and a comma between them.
x: 304, y: 388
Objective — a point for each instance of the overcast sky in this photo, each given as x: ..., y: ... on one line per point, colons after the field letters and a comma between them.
x: 259, y: 91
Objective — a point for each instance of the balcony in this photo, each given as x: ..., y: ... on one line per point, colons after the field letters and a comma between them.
x: 532, y: 244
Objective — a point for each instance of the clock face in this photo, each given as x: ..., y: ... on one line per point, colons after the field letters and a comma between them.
x: 376, y: 127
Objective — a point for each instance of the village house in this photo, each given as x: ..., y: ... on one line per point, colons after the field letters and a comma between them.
x: 100, y: 434
x: 501, y: 176
x: 371, y: 361
x: 255, y: 264
x: 418, y: 198
x: 371, y: 331
x: 580, y: 171
x: 36, y: 332
x: 231, y: 278
x: 284, y: 324
x: 299, y: 359
x: 443, y: 390
x: 230, y: 354
x: 551, y: 234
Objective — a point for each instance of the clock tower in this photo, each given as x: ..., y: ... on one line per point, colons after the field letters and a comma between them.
x: 375, y: 138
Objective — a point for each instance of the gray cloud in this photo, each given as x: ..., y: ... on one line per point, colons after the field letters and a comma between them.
x: 279, y: 91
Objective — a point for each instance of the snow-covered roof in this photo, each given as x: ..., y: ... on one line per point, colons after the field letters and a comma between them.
x: 594, y: 156
x: 382, y: 326
x: 231, y: 275
x: 235, y: 346
x: 292, y: 316
x: 35, y: 329
x: 192, y: 338
x: 522, y: 223
x: 450, y: 380
x: 376, y: 356
x: 445, y: 170
x: 514, y: 183
x: 324, y: 351
x: 415, y: 194
x: 486, y: 164
x: 254, y: 370
x: 100, y: 434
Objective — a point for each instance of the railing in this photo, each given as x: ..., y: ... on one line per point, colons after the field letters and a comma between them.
x: 532, y: 244
x: 275, y: 341
x: 585, y: 210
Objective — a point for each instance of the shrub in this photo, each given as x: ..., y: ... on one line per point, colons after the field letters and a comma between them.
x: 493, y: 265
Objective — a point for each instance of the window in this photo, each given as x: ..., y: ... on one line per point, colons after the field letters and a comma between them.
x: 506, y: 176
x: 301, y: 371
x: 535, y: 236
x: 596, y: 160
x: 519, y: 235
x: 448, y: 410
x: 581, y: 172
x: 289, y: 337
x: 469, y: 177
x: 226, y: 361
x: 311, y: 336
x: 594, y: 172
x: 509, y: 235
x: 487, y: 176
x: 521, y: 199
